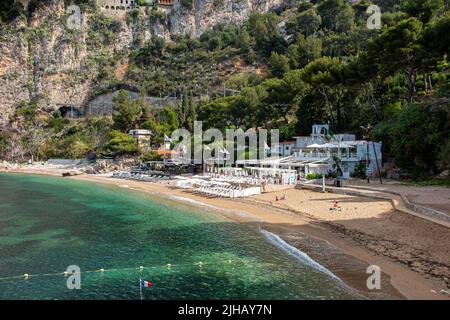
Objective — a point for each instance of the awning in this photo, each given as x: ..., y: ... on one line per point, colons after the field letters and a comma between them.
x: 337, y: 145
x: 314, y: 146
x: 330, y: 146
x: 162, y: 152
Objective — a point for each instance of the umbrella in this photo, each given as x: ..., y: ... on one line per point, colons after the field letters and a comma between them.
x: 345, y: 145
x: 315, y: 145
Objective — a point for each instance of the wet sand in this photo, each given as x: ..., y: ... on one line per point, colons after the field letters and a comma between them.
x: 413, y: 254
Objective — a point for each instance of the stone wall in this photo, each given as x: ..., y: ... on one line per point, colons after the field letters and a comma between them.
x: 116, y: 4
x: 103, y: 105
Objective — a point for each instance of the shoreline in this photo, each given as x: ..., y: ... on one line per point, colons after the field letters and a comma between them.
x: 329, y: 246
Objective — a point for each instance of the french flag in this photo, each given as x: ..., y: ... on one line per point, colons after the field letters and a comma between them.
x: 145, y: 284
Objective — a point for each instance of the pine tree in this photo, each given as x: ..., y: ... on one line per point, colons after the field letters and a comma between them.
x: 192, y: 112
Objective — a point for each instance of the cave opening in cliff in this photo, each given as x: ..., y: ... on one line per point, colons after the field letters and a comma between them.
x: 70, y: 112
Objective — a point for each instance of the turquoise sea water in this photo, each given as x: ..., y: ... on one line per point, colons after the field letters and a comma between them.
x: 47, y: 224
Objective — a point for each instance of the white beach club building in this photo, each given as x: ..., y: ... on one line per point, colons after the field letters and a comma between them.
x: 322, y: 153
x: 319, y: 152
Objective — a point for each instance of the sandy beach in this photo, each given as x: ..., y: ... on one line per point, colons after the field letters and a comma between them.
x: 413, y: 254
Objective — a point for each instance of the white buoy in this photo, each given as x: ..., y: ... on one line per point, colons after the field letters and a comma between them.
x: 141, y: 267
x: 102, y: 270
x: 26, y: 275
x: 169, y: 265
x: 66, y: 273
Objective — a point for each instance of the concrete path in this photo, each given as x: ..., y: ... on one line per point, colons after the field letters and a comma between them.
x: 435, y: 197
x: 430, y: 203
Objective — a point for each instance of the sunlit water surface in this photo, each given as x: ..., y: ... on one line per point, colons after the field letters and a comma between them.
x: 48, y: 224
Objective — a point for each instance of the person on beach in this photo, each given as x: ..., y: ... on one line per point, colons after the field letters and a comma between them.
x: 336, y: 207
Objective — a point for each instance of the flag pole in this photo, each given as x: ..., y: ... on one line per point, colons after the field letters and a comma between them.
x: 140, y: 287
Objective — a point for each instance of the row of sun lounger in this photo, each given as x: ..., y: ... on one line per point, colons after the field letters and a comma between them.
x: 220, y: 191
x: 139, y: 176
x: 236, y: 179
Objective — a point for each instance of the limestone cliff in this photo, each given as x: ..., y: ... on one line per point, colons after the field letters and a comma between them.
x: 42, y: 59
x: 207, y: 13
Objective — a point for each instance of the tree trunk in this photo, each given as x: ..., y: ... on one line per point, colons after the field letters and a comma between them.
x: 327, y: 104
x: 430, y: 83
x: 411, y: 74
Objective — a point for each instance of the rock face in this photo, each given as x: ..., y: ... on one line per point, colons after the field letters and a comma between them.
x: 207, y: 13
x: 42, y: 59
x: 103, y: 104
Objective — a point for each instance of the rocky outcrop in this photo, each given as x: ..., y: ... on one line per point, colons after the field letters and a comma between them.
x: 42, y: 59
x: 14, y: 70
x: 207, y: 13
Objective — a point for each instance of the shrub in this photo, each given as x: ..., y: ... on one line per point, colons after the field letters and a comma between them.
x: 360, y: 171
x: 444, y: 156
x: 151, y: 156
x: 133, y: 16
x: 312, y: 176
x: 9, y: 10
x: 217, y: 4
x: 156, y: 15
x: 141, y: 3
x: 215, y: 43
x: 122, y: 143
x: 187, y: 4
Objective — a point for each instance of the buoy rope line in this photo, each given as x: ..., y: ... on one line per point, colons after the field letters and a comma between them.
x: 169, y: 266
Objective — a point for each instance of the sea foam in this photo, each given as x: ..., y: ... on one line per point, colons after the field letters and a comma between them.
x: 300, y: 255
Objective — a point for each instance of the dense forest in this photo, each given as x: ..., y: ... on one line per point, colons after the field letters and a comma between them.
x: 306, y: 63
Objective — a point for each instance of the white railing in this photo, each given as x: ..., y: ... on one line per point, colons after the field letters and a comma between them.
x: 326, y: 155
x: 312, y: 155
